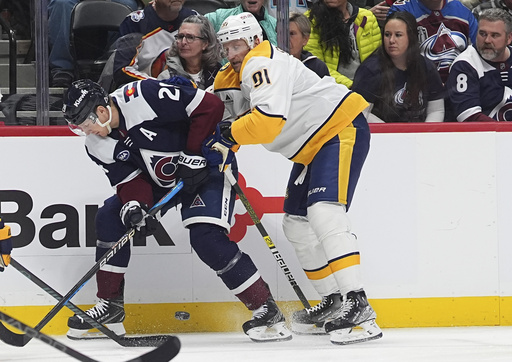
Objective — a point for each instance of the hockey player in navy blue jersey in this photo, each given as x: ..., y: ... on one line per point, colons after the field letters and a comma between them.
x: 480, y: 80
x: 145, y: 136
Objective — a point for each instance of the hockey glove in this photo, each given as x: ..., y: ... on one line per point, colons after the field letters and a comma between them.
x: 219, y: 148
x: 193, y: 171
x: 5, y: 245
x: 134, y: 214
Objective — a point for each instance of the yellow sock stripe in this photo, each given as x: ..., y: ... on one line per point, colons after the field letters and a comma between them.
x: 345, y: 262
x: 318, y: 273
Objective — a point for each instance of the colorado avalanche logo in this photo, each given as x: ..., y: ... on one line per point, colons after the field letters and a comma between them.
x: 161, y: 166
x: 443, y: 47
x: 503, y: 111
x: 137, y: 16
x: 400, y: 96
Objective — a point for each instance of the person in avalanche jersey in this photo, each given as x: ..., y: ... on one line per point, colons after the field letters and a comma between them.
x: 145, y: 136
x: 399, y: 83
x: 480, y: 80
x: 156, y: 27
x: 445, y: 29
x: 319, y: 125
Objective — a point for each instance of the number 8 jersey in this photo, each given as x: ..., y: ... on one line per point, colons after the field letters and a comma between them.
x: 479, y: 86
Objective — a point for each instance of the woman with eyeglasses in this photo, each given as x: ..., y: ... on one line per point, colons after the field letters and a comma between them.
x: 196, y: 54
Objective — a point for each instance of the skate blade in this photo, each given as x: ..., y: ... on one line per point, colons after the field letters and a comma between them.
x: 277, y: 333
x: 79, y: 334
x: 315, y: 329
x: 370, y: 331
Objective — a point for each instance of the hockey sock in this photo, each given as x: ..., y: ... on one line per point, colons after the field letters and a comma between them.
x: 255, y: 295
x: 110, y: 285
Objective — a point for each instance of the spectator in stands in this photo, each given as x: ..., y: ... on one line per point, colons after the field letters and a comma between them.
x: 255, y: 7
x: 343, y: 35
x: 300, y: 29
x: 377, y: 7
x: 480, y: 80
x: 158, y: 24
x: 445, y: 28
x: 196, y: 54
x: 397, y: 81
x: 500, y: 4
x: 60, y: 59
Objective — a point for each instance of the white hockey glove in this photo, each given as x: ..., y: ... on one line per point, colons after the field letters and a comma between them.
x: 134, y: 214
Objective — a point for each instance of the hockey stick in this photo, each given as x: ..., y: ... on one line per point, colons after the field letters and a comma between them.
x: 144, y: 341
x: 20, y: 340
x: 163, y: 353
x: 273, y: 249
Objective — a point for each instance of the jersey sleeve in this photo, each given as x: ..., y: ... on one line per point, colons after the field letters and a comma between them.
x: 267, y: 85
x: 463, y: 88
x: 203, y: 119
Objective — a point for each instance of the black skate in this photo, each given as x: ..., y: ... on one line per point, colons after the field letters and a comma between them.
x: 108, y: 312
x: 267, y: 324
x: 355, y: 311
x: 311, y: 320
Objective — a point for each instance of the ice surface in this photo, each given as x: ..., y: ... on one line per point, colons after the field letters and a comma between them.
x: 456, y: 344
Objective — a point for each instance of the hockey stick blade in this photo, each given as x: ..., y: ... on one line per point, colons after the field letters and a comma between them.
x: 273, y: 249
x: 164, y: 353
x: 19, y: 339
x: 8, y: 337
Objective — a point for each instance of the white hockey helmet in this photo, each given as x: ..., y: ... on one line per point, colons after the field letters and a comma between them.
x: 241, y: 26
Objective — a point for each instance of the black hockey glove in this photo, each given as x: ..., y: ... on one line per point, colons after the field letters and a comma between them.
x: 5, y: 245
x: 220, y: 147
x: 193, y: 171
x: 134, y: 214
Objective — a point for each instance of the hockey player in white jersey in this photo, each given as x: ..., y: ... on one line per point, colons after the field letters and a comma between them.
x: 319, y: 125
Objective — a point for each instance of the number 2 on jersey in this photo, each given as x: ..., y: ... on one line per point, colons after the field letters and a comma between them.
x: 168, y: 92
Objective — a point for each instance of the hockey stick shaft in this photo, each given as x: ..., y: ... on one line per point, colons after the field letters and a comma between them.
x: 102, y: 261
x: 163, y: 353
x: 147, y: 341
x: 44, y: 338
x: 273, y: 249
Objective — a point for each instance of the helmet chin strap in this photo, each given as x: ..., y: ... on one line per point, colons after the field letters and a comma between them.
x: 107, y: 123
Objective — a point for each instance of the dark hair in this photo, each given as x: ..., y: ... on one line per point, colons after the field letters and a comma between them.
x: 416, y: 68
x: 332, y: 30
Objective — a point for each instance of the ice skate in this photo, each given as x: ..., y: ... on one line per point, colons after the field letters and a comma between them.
x: 108, y: 312
x: 354, y: 312
x: 312, y: 320
x: 267, y: 324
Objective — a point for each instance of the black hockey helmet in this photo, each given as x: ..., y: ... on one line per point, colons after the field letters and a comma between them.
x: 82, y: 98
